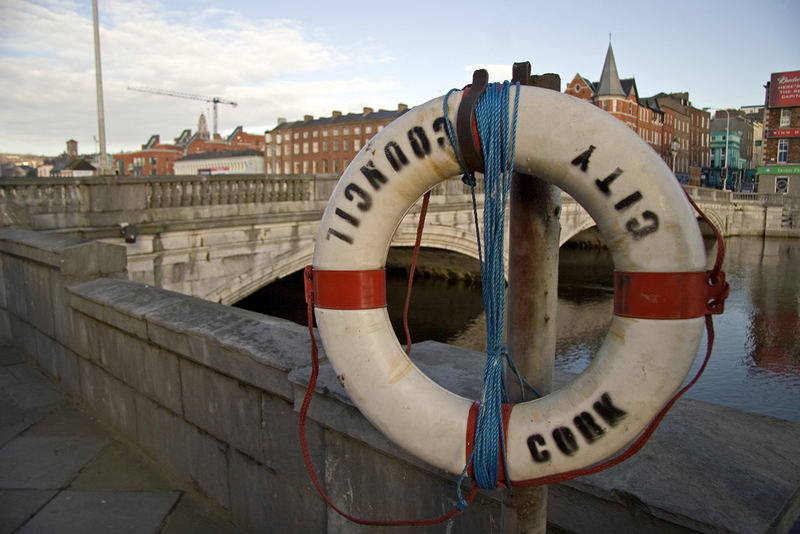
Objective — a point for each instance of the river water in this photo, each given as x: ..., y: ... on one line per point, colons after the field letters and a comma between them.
x: 755, y: 364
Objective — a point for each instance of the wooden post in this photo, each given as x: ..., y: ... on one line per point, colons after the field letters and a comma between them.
x: 534, y: 229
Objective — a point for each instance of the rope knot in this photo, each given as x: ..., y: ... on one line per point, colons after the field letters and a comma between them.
x: 716, y: 292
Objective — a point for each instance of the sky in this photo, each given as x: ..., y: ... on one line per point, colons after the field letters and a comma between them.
x: 281, y: 59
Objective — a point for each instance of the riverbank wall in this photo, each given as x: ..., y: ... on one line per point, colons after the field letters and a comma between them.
x: 212, y: 393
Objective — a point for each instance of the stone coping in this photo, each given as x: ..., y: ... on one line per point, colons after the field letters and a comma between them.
x: 707, y: 468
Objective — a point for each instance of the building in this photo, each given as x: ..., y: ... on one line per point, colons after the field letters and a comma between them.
x: 74, y: 168
x: 781, y: 170
x: 158, y: 159
x: 154, y: 159
x: 248, y: 161
x: 676, y: 130
x: 323, y: 145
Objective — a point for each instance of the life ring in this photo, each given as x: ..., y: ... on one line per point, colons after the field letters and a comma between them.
x: 651, y: 233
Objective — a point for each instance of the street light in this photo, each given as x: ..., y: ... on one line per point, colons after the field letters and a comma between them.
x: 674, y: 150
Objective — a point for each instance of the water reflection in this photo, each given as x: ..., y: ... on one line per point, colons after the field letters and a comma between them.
x: 756, y: 361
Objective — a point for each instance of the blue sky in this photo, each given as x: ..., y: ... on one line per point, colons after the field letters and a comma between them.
x: 284, y: 59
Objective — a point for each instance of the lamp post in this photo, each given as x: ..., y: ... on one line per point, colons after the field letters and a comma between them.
x: 727, y: 138
x: 674, y: 150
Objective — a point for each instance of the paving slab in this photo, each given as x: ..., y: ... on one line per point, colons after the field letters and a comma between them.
x: 45, y: 462
x: 79, y: 512
x: 17, y: 506
x: 62, y: 470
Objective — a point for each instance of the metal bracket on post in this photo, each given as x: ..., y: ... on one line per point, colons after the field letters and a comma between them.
x: 469, y: 142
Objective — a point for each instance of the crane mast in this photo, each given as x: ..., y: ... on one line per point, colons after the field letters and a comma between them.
x: 191, y: 96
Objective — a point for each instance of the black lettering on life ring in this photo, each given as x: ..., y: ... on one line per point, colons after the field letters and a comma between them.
x: 637, y: 230
x: 439, y: 125
x: 347, y: 217
x: 539, y: 456
x: 628, y: 201
x: 397, y: 159
x: 583, y: 159
x: 344, y: 237
x: 605, y: 185
x: 588, y: 427
x: 565, y: 440
x: 605, y: 408
x: 375, y: 177
x: 422, y: 147
x: 366, y: 199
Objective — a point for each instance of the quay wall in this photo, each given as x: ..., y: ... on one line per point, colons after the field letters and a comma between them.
x: 213, y: 393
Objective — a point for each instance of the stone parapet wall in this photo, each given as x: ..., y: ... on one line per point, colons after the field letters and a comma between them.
x: 212, y: 393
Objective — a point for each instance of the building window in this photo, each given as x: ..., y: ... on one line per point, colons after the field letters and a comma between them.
x: 345, y: 131
x: 315, y: 133
x: 324, y: 133
x: 336, y: 146
x: 577, y: 88
x: 357, y: 130
x: 783, y: 150
x: 305, y: 135
x: 305, y: 148
x: 336, y: 131
x: 297, y: 148
x: 324, y: 165
x: 345, y: 145
x: 368, y: 129
x: 325, y: 146
x: 357, y: 144
x: 315, y: 147
x: 786, y: 118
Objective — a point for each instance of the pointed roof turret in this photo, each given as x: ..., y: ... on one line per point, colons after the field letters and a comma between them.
x: 609, y: 83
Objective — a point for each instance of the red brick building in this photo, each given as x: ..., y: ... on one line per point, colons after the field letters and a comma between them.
x: 659, y: 120
x: 154, y: 159
x: 323, y: 145
x: 158, y: 159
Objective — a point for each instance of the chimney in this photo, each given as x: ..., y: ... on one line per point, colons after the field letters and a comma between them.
x: 335, y: 114
x: 367, y: 111
x: 281, y: 120
x: 402, y: 107
x: 307, y: 118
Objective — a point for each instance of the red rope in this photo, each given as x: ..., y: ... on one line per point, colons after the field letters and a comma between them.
x: 312, y: 381
x: 420, y: 226
x: 718, y: 294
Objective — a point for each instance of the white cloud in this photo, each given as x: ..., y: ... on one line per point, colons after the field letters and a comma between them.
x: 271, y: 67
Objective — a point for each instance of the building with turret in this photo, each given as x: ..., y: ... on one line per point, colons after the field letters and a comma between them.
x: 672, y: 127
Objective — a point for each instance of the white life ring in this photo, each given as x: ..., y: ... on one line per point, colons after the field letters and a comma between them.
x: 647, y: 223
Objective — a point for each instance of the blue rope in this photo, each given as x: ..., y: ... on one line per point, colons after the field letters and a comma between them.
x: 498, y: 142
x: 498, y: 139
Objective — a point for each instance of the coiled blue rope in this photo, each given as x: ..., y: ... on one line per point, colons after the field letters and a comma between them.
x: 498, y: 144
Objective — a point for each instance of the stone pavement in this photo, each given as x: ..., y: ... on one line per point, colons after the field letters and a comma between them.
x: 61, y: 470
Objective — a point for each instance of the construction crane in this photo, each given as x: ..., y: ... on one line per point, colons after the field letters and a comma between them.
x: 214, y: 99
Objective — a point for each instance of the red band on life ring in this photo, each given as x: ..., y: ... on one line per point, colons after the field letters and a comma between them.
x: 472, y: 425
x: 648, y: 295
x: 349, y: 290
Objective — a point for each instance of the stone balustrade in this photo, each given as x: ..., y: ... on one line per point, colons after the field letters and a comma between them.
x: 212, y: 393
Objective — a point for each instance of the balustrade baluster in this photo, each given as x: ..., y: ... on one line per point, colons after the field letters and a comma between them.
x: 188, y: 191
x: 158, y: 196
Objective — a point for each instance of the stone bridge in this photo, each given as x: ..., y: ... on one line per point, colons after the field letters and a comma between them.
x: 223, y: 237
